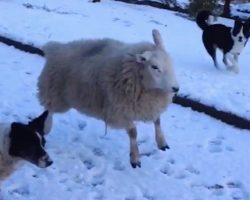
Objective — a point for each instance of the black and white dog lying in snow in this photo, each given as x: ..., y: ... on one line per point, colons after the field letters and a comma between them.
x: 230, y: 40
x: 23, y: 142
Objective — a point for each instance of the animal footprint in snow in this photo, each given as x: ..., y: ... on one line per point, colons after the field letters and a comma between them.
x: 78, y: 179
x: 181, y: 175
x: 216, y: 189
x: 35, y: 176
x: 148, y: 197
x: 142, y: 141
x: 98, y: 152
x: 22, y: 191
x: 100, y: 197
x: 171, y: 161
x: 127, y: 23
x: 76, y: 139
x: 6, y: 113
x: 229, y: 148
x: 238, y: 195
x: 81, y: 125
x: 232, y: 184
x: 167, y: 170
x: 88, y: 164
x: 148, y: 153
x: 97, y: 180
x: 63, y: 121
x: 63, y: 180
x: 129, y: 198
x: 118, y: 166
x: 116, y: 19
x: 237, y: 191
x: 214, y: 146
x: 157, y: 22
x: 192, y: 170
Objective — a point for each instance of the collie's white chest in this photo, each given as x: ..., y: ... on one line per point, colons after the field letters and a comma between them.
x: 237, y: 48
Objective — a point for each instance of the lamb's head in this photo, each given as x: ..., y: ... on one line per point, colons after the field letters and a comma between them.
x: 157, y: 71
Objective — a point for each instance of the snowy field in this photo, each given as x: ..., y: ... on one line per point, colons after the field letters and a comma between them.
x: 242, y: 10
x: 207, y: 160
x: 203, y: 163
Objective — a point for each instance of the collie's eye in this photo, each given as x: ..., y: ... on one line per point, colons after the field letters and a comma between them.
x: 154, y: 67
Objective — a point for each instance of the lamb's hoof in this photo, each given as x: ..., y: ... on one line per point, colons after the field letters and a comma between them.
x: 163, y: 148
x: 135, y: 164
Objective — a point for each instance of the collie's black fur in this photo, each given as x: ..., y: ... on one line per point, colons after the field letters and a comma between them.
x: 230, y: 40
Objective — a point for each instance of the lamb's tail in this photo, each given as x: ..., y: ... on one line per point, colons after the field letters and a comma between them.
x: 203, y: 19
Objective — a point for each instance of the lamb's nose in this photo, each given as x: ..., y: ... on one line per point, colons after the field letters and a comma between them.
x: 240, y: 39
x: 175, y: 89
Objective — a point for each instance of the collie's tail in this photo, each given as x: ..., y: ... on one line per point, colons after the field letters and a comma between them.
x: 203, y: 18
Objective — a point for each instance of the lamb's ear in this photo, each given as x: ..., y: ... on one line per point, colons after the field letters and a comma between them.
x: 39, y: 123
x: 144, y: 57
x: 157, y: 38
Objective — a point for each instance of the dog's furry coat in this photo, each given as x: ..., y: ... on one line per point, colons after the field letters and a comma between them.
x: 22, y: 142
x: 231, y: 41
x: 7, y: 163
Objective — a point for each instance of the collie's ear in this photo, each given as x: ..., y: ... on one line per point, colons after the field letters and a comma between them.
x: 246, y: 28
x: 157, y: 38
x: 14, y: 128
x: 237, y: 27
x: 237, y: 23
x: 39, y: 123
x: 247, y: 23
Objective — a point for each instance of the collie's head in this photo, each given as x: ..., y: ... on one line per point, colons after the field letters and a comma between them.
x: 26, y: 141
x: 241, y: 31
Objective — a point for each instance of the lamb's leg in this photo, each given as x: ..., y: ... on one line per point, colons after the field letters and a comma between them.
x: 159, y: 136
x: 134, y: 152
x: 48, y: 123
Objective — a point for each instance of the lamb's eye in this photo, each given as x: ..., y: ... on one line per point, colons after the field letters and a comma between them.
x: 154, y: 67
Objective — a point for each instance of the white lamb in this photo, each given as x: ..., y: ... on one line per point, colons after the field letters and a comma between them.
x: 110, y: 80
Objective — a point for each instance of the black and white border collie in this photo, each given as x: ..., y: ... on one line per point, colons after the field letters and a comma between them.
x: 230, y: 40
x: 23, y: 142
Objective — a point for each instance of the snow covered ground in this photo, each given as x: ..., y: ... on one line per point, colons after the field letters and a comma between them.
x: 178, y: 3
x: 207, y: 160
x: 203, y: 163
x: 71, y: 20
x: 242, y: 10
